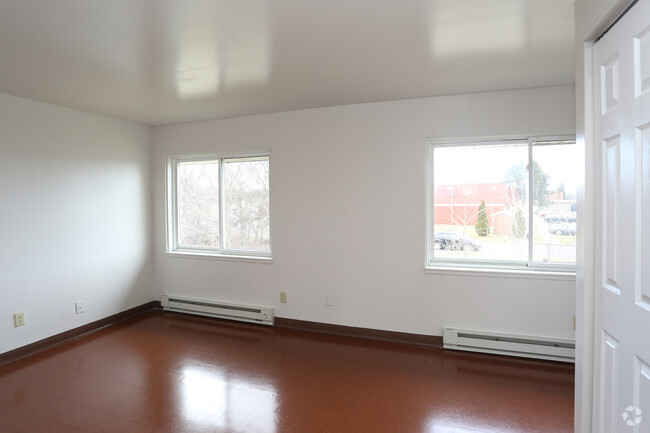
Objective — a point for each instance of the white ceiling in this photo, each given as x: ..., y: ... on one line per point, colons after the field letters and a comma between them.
x: 156, y: 62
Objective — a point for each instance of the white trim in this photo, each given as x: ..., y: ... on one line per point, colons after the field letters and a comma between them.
x: 474, y: 271
x: 433, y: 264
x: 563, y: 268
x: 445, y: 141
x: 172, y: 247
x: 429, y: 208
x: 585, y: 249
x: 249, y: 153
x: 216, y: 256
x: 531, y: 198
x: 222, y: 204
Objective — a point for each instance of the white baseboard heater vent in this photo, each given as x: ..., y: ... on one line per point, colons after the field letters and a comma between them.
x: 556, y: 349
x: 221, y: 310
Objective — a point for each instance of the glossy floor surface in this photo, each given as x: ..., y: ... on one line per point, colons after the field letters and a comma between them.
x: 164, y: 372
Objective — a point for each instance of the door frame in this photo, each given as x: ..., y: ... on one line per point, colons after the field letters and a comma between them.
x: 592, y: 18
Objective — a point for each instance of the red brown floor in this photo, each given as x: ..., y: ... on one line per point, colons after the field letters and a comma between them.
x: 164, y: 372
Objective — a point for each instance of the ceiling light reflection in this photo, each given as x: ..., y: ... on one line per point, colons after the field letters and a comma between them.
x: 484, y: 27
x: 197, y: 75
x: 220, y: 46
x: 197, y: 67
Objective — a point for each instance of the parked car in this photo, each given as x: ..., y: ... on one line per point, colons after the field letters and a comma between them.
x: 550, y: 214
x: 563, y: 228
x: 455, y: 242
x: 556, y: 217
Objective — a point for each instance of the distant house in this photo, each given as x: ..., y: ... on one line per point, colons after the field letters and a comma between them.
x: 502, y: 222
x: 458, y: 204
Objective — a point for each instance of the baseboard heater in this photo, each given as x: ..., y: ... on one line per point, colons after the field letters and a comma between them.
x: 221, y: 310
x: 556, y: 349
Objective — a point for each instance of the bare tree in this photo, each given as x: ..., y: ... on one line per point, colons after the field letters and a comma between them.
x: 245, y: 199
x: 246, y: 203
x: 198, y: 204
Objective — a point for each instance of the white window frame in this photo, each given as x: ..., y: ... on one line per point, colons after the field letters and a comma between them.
x: 491, y: 267
x: 173, y: 248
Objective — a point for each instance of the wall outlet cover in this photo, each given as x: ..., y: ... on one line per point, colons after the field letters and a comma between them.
x: 19, y: 319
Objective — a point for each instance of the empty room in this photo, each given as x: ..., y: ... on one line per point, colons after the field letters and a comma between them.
x: 324, y: 216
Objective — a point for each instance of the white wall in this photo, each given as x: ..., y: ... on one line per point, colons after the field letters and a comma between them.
x: 348, y: 216
x: 74, y: 218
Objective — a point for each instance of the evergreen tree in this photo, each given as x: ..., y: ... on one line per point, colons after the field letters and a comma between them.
x: 519, y: 224
x: 482, y: 225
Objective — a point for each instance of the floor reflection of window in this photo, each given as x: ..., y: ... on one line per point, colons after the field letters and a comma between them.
x: 217, y: 400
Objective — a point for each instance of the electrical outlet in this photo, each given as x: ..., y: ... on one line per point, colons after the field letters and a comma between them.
x: 283, y: 297
x: 19, y: 319
x: 79, y: 307
x: 329, y: 300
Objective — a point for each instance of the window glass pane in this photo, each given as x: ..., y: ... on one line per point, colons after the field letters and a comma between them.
x: 554, y: 204
x: 246, y: 204
x: 198, y: 203
x: 480, y: 202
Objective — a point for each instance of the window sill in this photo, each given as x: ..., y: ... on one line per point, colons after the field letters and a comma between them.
x: 500, y: 273
x: 226, y: 257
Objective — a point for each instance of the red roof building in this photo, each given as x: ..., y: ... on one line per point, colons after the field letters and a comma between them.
x: 458, y: 204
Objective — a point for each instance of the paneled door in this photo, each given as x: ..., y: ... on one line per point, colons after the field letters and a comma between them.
x: 622, y: 119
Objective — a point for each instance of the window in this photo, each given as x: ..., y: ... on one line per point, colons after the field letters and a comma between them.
x: 507, y: 203
x: 219, y: 205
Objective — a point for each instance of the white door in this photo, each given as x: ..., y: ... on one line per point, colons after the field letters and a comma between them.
x: 622, y: 335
